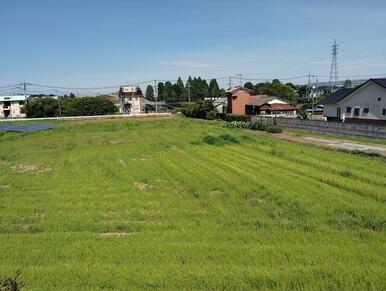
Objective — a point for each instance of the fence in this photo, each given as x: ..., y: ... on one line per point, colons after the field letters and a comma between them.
x: 350, y: 129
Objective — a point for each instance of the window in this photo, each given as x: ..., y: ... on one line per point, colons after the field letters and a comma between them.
x: 356, y: 111
x: 384, y: 111
x: 366, y: 110
x: 348, y: 110
x: 379, y: 99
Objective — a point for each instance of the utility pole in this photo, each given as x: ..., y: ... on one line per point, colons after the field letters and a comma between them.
x: 25, y: 88
x: 241, y: 79
x: 230, y: 82
x: 156, y: 96
x: 334, y: 67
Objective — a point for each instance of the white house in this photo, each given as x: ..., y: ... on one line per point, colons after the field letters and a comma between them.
x: 131, y: 100
x: 220, y: 103
x: 366, y: 103
x: 12, y: 106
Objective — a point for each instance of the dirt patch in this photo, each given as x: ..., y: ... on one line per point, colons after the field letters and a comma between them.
x: 143, y: 158
x: 142, y: 185
x: 26, y: 168
x: 216, y: 193
x: 116, y: 234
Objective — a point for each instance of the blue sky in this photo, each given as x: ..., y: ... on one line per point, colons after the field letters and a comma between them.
x: 96, y: 43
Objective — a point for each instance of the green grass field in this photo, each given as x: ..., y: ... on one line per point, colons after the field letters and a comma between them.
x: 184, y: 204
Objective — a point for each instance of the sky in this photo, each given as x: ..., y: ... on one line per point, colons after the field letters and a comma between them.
x: 95, y: 43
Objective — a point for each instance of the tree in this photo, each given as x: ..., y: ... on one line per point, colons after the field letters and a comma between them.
x: 348, y: 84
x: 214, y: 89
x: 291, y: 85
x: 276, y: 88
x: 149, y: 93
x: 169, y: 93
x: 179, y: 90
x: 248, y: 85
x: 86, y: 106
x: 161, y: 91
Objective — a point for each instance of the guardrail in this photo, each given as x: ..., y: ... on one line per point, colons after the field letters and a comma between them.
x: 166, y: 114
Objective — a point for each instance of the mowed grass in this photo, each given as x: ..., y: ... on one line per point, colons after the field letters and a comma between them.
x: 185, y: 204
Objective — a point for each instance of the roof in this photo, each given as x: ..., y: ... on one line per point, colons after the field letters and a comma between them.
x: 13, y: 98
x: 380, y: 82
x: 344, y: 92
x: 337, y: 96
x: 238, y: 88
x: 262, y: 100
x: 278, y: 106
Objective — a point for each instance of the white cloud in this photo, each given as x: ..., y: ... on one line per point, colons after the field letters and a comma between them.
x: 187, y: 64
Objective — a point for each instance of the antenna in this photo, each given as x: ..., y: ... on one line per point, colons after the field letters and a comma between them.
x: 334, y: 67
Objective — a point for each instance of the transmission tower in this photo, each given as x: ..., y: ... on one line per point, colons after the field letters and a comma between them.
x: 334, y: 67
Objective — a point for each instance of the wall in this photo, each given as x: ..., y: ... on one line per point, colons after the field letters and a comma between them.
x: 239, y: 99
x: 349, y: 129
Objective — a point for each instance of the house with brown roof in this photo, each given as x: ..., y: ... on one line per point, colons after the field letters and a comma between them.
x: 241, y: 101
x: 365, y: 103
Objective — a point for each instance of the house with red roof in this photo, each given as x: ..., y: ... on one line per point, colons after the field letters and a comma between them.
x: 241, y: 101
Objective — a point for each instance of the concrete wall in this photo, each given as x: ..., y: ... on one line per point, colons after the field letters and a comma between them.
x: 371, y: 96
x: 349, y: 129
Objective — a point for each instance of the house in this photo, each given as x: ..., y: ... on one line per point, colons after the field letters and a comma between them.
x: 365, y: 103
x: 241, y: 101
x: 131, y: 100
x: 220, y: 103
x: 12, y: 106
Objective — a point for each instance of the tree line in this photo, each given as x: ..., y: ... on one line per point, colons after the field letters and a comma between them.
x: 69, y: 106
x: 194, y: 89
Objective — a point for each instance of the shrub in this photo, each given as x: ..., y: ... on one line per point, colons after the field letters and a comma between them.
x: 200, y: 109
x: 302, y: 114
x: 209, y: 139
x: 274, y: 129
x: 258, y: 124
x: 236, y: 124
x: 211, y: 115
x: 233, y: 117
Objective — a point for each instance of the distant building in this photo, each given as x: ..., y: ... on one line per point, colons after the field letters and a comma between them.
x: 220, y: 103
x: 365, y: 103
x: 12, y: 106
x: 131, y: 100
x: 242, y: 102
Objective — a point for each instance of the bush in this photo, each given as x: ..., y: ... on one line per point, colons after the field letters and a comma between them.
x: 200, y: 109
x: 211, y: 115
x: 258, y: 124
x: 236, y: 124
x: 274, y: 129
x: 233, y: 117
